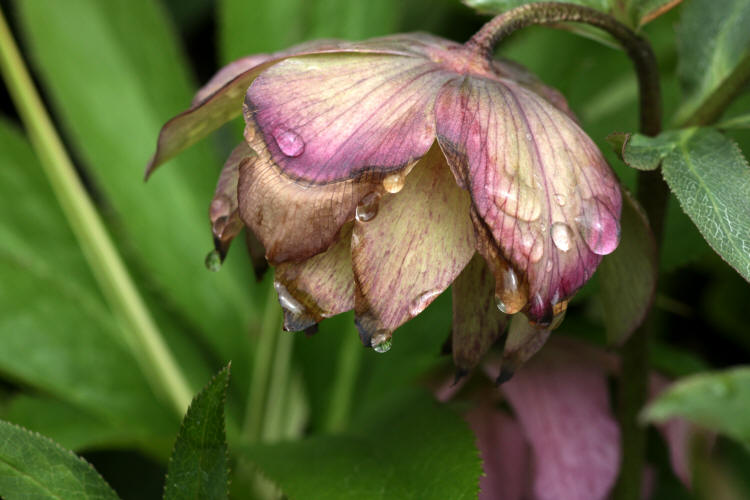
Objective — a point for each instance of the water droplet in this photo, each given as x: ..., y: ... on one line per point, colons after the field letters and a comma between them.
x: 287, y: 300
x: 511, y: 293
x: 218, y: 226
x: 420, y: 303
x: 381, y: 341
x: 290, y: 143
x: 367, y: 208
x: 562, y: 236
x: 394, y: 183
x: 528, y: 137
x: 598, y: 227
x: 537, y: 251
x: 549, y: 265
x: 517, y: 199
x: 558, y: 314
x: 249, y: 133
x: 213, y: 261
x: 560, y: 199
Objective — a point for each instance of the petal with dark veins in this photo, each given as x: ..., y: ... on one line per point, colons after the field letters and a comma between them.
x: 220, y: 99
x: 293, y: 221
x: 477, y: 323
x: 223, y: 212
x: 417, y: 244
x: 329, y: 118
x: 524, y: 341
x: 320, y: 287
x: 561, y: 400
x: 539, y: 185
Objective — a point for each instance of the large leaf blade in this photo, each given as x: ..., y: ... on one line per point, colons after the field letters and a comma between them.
x: 32, y: 466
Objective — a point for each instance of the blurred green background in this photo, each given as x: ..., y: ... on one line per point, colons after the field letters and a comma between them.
x: 112, y: 71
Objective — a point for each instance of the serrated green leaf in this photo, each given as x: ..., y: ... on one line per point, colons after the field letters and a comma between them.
x: 56, y: 332
x: 711, y: 179
x: 719, y: 401
x: 35, y: 467
x: 413, y: 447
x: 198, y: 467
x: 627, y: 276
x: 712, y: 39
x: 642, y: 152
x: 114, y: 80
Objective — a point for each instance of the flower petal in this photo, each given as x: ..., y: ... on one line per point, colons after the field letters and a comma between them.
x: 524, y: 340
x: 337, y: 117
x: 293, y: 221
x: 561, y: 401
x: 477, y: 323
x: 320, y: 287
x: 504, y: 452
x: 221, y: 99
x: 407, y: 253
x: 223, y: 212
x: 539, y: 186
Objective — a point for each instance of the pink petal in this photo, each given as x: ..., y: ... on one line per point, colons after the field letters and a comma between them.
x: 221, y: 99
x: 504, y: 452
x: 320, y: 287
x: 409, y: 247
x: 477, y: 323
x: 293, y: 221
x: 540, y: 187
x: 562, y: 403
x: 336, y: 117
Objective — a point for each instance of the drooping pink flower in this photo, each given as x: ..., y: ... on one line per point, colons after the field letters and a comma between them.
x: 377, y: 173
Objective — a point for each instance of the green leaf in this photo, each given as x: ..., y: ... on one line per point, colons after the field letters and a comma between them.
x: 198, y: 467
x: 413, y: 447
x: 711, y: 179
x: 32, y: 466
x: 712, y: 39
x: 742, y: 121
x: 642, y: 152
x: 56, y: 332
x: 719, y: 401
x: 112, y: 102
x: 627, y: 276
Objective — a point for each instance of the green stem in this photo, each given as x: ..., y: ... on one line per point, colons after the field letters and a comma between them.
x: 150, y: 349
x: 342, y: 392
x: 278, y: 389
x: 264, y: 353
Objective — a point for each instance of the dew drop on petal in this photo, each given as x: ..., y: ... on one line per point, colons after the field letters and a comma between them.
x: 517, y: 199
x: 394, y: 183
x: 290, y: 143
x: 422, y: 301
x: 367, y: 208
x: 560, y: 199
x: 213, y: 261
x: 381, y: 341
x: 598, y: 227
x: 562, y: 236
x: 549, y: 265
x: 511, y: 295
x: 287, y: 301
x: 537, y: 251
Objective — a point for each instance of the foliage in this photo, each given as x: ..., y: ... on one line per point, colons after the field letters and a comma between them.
x: 321, y: 417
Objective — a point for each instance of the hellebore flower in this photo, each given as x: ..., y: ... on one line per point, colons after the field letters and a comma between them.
x: 377, y: 173
x: 557, y: 438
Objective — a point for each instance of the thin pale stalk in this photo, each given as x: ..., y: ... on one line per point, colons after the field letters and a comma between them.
x: 101, y: 254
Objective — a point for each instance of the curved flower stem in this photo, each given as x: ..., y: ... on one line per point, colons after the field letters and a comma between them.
x: 342, y: 392
x: 637, y: 48
x: 652, y: 193
x: 141, y: 331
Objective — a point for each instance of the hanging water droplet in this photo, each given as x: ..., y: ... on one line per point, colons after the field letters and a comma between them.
x: 560, y: 199
x: 290, y: 143
x: 394, y: 183
x: 287, y: 300
x: 511, y: 293
x: 381, y: 341
x: 367, y: 208
x: 420, y: 303
x: 213, y: 261
x: 549, y: 265
x: 558, y: 314
x: 562, y: 236
x: 537, y: 251
x: 218, y: 226
x: 599, y: 228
